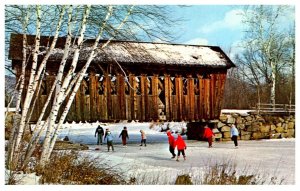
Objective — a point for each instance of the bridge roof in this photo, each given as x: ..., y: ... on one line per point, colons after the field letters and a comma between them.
x: 136, y: 53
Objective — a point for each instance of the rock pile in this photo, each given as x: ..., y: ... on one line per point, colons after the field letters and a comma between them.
x: 253, y: 127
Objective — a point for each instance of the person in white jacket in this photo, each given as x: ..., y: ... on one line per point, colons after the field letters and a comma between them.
x: 234, y: 135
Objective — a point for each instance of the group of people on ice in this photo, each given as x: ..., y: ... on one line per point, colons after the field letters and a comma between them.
x: 108, y: 136
x: 208, y: 135
x: 179, y: 143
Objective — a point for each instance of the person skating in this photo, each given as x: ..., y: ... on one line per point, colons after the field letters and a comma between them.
x: 124, y: 135
x: 234, y: 133
x: 181, y: 146
x: 143, y: 138
x: 99, y: 133
x: 208, y: 134
x: 171, y: 143
x: 109, y: 138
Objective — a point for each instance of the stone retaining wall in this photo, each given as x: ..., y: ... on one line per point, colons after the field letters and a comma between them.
x: 253, y: 127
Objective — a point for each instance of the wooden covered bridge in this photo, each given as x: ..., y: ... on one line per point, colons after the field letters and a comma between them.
x: 157, y: 81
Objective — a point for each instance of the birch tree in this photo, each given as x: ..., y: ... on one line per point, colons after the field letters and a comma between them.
x: 266, y: 46
x: 99, y: 22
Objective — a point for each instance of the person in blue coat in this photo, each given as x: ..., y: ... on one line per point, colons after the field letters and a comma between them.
x: 234, y: 135
x: 109, y: 141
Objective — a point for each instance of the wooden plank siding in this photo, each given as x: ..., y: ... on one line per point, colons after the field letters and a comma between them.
x: 191, y: 98
x: 140, y: 100
x: 120, y: 104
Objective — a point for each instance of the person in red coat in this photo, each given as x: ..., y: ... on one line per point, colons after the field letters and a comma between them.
x: 181, y: 146
x: 208, y: 134
x: 171, y: 143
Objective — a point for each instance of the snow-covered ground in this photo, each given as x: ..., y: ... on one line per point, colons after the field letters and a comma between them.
x: 269, y: 158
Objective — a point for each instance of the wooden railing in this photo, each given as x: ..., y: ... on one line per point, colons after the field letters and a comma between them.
x: 275, y: 108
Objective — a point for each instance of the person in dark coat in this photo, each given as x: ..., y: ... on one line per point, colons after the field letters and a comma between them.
x: 171, y: 143
x: 181, y: 146
x: 124, y: 135
x: 99, y: 132
x: 208, y: 134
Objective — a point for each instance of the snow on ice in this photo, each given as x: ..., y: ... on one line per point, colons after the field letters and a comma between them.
x: 155, y: 163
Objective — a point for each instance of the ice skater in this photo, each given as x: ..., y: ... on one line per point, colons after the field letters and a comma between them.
x: 208, y: 134
x: 234, y: 133
x: 99, y: 133
x: 143, y: 138
x: 171, y: 143
x: 109, y: 138
x: 124, y: 135
x: 181, y: 146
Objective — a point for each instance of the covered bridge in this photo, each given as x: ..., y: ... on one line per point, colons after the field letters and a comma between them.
x: 157, y: 81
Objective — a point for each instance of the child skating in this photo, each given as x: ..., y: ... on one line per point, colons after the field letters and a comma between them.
x: 109, y: 138
x: 143, y: 138
x: 181, y: 146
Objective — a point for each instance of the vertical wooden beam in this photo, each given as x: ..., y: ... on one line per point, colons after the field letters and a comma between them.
x: 168, y: 93
x: 212, y: 96
x: 143, y: 96
x: 98, y: 100
x: 132, y: 93
x: 191, y: 97
x: 121, y: 96
x: 87, y: 107
x: 154, y: 114
x: 201, y: 98
x: 107, y: 96
x: 222, y: 86
x: 196, y: 111
x: 179, y: 96
x: 82, y: 101
x: 77, y: 105
x: 217, y: 89
x: 93, y: 95
x: 207, y: 98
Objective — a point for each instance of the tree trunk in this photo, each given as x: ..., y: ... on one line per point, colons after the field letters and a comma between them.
x: 59, y: 98
x: 272, y: 97
x: 15, y: 150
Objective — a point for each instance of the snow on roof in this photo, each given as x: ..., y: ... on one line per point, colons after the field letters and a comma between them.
x: 163, y: 53
x: 143, y: 53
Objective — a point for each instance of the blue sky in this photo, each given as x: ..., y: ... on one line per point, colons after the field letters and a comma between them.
x: 215, y: 25
x: 210, y: 24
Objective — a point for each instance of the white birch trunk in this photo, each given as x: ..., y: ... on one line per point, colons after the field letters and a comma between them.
x: 38, y: 131
x: 58, y: 100
x: 23, y: 63
x: 66, y: 52
x: 36, y: 96
x: 77, y: 81
x: 21, y: 80
x: 272, y: 99
x: 30, y: 90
